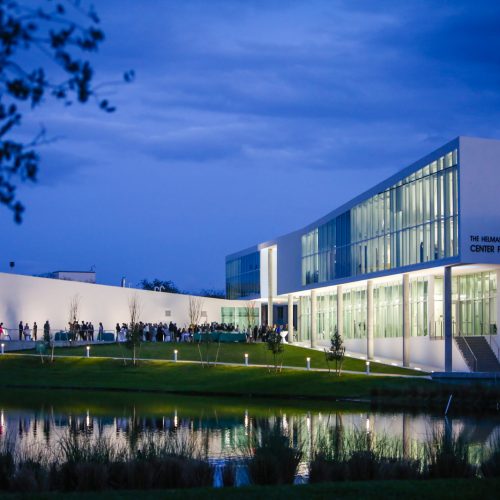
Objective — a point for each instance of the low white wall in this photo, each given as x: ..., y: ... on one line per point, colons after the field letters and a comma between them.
x: 29, y: 299
x: 424, y: 353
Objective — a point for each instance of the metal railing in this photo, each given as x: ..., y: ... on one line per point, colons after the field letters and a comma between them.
x: 496, y: 346
x: 12, y: 334
x: 470, y: 350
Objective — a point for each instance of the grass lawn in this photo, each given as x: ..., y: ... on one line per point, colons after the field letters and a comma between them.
x: 101, y: 373
x: 440, y: 489
x: 232, y: 353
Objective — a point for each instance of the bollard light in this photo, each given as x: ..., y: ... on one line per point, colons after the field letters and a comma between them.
x: 175, y: 354
x: 88, y: 351
x: 246, y: 359
x: 308, y: 363
x: 2, y: 346
x: 368, y: 368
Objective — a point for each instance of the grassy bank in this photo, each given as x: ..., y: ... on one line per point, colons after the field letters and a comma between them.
x: 441, y: 489
x: 141, y: 403
x: 231, y: 353
x: 108, y: 374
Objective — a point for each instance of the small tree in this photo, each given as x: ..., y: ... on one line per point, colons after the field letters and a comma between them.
x: 195, y: 309
x: 250, y: 311
x: 134, y: 333
x: 275, y: 345
x: 337, y: 351
x: 74, y: 311
x: 206, y: 341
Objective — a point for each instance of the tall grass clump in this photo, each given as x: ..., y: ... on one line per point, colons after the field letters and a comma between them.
x: 447, y: 456
x: 357, y: 456
x: 274, y: 460
x: 7, y: 464
x: 490, y: 466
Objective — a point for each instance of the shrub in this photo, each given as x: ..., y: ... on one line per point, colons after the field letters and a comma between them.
x: 274, y: 460
x: 490, y: 467
x: 448, y: 456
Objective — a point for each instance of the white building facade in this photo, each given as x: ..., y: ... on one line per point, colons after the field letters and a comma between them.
x: 405, y: 272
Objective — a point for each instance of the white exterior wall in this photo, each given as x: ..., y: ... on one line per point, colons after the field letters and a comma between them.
x: 29, y: 299
x: 424, y: 353
x: 479, y: 208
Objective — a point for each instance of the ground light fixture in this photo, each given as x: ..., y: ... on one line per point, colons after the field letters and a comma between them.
x: 88, y: 351
x: 246, y: 359
x: 368, y: 368
x: 2, y: 346
x: 308, y: 363
x: 175, y: 355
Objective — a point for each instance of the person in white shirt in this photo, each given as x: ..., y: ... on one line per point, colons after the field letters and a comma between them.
x: 27, y: 332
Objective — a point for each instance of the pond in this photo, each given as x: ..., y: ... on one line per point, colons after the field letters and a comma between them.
x: 221, y: 430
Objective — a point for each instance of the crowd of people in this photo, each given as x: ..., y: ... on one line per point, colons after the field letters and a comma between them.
x: 148, y: 332
x: 161, y: 332
x: 25, y: 332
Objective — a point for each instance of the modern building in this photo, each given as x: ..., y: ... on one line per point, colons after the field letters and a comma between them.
x: 406, y: 271
x: 83, y: 276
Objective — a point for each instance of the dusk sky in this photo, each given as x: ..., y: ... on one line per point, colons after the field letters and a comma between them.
x: 247, y: 120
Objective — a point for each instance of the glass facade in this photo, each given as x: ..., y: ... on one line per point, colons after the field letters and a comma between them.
x: 243, y: 276
x: 414, y: 221
x: 474, y: 304
x: 387, y: 310
x: 474, y: 309
x: 241, y: 317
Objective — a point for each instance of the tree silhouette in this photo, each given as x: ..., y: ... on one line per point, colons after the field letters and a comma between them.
x: 41, y: 50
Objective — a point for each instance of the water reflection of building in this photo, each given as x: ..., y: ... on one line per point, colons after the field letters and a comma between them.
x: 219, y: 436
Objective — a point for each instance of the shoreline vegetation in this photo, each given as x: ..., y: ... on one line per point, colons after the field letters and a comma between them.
x: 271, y: 457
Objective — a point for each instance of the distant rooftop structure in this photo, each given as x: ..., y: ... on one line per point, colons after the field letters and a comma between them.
x: 83, y: 276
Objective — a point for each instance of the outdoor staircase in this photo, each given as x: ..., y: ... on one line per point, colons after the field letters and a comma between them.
x: 478, y: 354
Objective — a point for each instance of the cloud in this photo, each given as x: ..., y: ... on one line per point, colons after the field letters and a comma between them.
x: 242, y: 108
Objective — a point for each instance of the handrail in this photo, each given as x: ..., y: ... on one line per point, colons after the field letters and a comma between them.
x: 496, y: 345
x: 469, y: 347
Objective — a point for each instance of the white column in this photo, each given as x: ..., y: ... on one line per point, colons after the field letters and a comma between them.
x: 498, y: 304
x: 340, y: 311
x: 369, y: 319
x: 300, y: 306
x: 448, y: 327
x: 406, y: 320
x: 313, y: 318
x: 270, y: 319
x: 431, y: 326
x: 290, y: 318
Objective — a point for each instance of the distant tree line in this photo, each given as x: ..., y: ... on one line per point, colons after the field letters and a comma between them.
x: 168, y: 286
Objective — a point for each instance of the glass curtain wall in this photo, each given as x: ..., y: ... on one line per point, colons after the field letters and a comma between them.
x: 305, y: 318
x: 355, y: 313
x: 419, y: 323
x: 327, y: 315
x: 388, y: 310
x: 412, y: 222
x: 243, y: 276
x: 475, y: 303
x: 240, y: 316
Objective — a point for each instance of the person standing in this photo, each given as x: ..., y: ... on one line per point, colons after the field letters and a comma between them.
x: 27, y: 332
x: 100, y: 335
x: 35, y: 330
x: 46, y: 331
x: 21, y: 330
